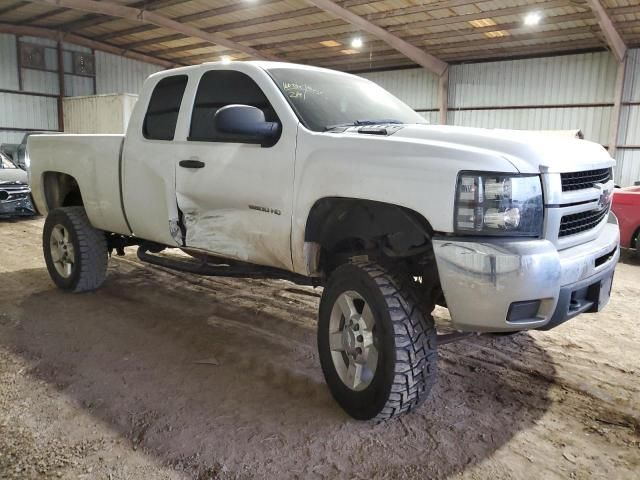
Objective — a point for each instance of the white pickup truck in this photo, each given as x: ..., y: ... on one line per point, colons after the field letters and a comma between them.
x: 259, y: 169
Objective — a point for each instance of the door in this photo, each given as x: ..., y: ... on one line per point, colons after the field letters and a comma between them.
x: 236, y: 198
x: 148, y: 171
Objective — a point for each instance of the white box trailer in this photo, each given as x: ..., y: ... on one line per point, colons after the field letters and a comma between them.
x: 94, y: 114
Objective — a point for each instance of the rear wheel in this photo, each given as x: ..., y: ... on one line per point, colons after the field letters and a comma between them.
x: 377, y: 346
x: 75, y: 252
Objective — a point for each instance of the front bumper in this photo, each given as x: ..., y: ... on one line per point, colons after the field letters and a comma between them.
x: 19, y: 207
x: 483, y: 280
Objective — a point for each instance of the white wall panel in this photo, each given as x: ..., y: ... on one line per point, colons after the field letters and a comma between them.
x: 416, y: 87
x: 39, y: 81
x: 8, y: 62
x: 121, y: 75
x: 11, y: 137
x: 28, y: 111
x: 595, y: 122
x: 571, y: 79
x: 76, y: 86
x: 47, y: 42
x: 431, y: 117
x: 628, y: 167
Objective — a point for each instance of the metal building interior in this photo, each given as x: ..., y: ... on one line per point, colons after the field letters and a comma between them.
x: 166, y: 375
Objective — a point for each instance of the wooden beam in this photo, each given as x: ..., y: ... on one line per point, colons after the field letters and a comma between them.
x: 12, y: 7
x: 288, y: 15
x: 93, y: 19
x: 145, y: 16
x: 473, y: 38
x: 614, y: 40
x: 443, y: 49
x: 211, y: 12
x: 42, y: 16
x: 83, y: 41
x: 443, y: 97
x: 301, y: 13
x: 415, y: 39
x: 617, y: 108
x: 419, y: 56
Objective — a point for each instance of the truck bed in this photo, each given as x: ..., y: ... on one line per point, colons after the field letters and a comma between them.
x: 93, y: 161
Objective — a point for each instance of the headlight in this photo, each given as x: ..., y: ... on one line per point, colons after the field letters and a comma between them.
x: 498, y: 204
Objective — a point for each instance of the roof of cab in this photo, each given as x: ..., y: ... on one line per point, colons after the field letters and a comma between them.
x: 265, y: 65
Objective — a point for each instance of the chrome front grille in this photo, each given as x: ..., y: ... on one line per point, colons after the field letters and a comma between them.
x: 574, y: 217
x: 581, y: 222
x: 587, y: 179
x: 13, y: 191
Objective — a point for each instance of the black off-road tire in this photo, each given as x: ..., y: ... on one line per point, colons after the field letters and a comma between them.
x: 90, y: 245
x: 406, y: 339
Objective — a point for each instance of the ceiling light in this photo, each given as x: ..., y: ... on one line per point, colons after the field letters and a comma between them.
x: 356, y: 42
x: 330, y: 43
x: 225, y: 59
x: 533, y: 18
x: 497, y: 34
x: 349, y: 51
x: 482, y: 22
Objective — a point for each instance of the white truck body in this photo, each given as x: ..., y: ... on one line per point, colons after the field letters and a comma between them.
x: 252, y: 204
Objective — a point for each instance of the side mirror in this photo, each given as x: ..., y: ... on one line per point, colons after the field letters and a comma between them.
x: 246, y: 123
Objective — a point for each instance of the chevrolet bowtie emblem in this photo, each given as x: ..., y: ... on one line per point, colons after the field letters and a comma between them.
x: 604, y: 201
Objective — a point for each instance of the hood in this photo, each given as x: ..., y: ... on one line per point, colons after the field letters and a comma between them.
x: 13, y: 175
x: 528, y: 152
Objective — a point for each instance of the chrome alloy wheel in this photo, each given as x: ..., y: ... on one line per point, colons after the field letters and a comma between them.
x: 351, y: 340
x: 62, y: 251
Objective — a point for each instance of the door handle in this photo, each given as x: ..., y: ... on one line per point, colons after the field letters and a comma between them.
x: 191, y: 164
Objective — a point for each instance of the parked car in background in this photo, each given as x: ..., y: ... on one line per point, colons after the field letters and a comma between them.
x: 626, y: 206
x: 15, y: 193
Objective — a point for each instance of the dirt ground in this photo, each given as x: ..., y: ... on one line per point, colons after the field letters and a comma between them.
x: 161, y: 375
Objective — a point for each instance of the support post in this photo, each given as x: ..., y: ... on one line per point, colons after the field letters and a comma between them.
x: 61, y: 87
x: 617, y: 108
x: 19, y: 62
x: 443, y: 96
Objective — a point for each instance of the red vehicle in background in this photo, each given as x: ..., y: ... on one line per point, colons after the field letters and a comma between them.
x: 626, y: 206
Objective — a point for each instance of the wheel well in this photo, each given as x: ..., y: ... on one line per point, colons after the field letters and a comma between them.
x: 634, y: 239
x: 61, y: 190
x: 346, y: 225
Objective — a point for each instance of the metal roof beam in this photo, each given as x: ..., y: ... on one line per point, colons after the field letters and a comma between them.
x: 419, y: 56
x: 12, y: 7
x: 614, y: 40
x: 83, y: 41
x: 93, y: 19
x: 212, y: 12
x: 145, y: 16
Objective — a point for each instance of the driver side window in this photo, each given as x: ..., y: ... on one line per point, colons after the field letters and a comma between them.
x: 217, y: 89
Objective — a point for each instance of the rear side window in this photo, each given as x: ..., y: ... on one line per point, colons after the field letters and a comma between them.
x: 164, y: 106
x: 217, y: 89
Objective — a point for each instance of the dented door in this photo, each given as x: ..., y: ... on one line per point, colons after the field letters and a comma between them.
x: 235, y: 199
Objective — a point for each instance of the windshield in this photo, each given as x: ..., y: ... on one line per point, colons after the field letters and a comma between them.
x: 5, y: 162
x: 323, y: 99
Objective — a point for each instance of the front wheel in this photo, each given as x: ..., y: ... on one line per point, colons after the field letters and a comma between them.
x: 377, y: 346
x: 75, y: 252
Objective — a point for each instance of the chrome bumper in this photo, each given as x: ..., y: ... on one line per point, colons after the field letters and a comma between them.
x: 482, y: 279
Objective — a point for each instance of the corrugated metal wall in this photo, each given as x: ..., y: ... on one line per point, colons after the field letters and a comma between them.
x: 116, y: 74
x: 564, y: 92
x: 21, y: 111
x: 628, y: 152
x: 416, y: 87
